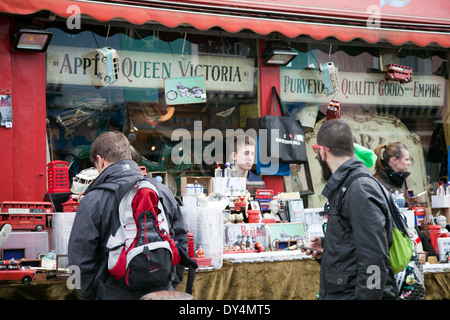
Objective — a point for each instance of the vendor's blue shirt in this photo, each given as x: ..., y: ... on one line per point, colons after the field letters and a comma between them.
x: 253, y: 177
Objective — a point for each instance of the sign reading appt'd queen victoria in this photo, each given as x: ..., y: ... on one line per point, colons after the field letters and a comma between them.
x: 78, y: 66
x: 370, y: 131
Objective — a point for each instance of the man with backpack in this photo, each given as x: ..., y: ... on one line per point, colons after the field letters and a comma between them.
x: 98, y: 220
x: 354, y: 254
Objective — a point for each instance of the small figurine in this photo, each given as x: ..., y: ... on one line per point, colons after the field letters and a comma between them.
x: 200, y: 253
x: 239, y: 217
x: 442, y: 221
x: 226, y: 248
x: 244, y: 246
x: 260, y: 247
x: 235, y: 248
x: 231, y: 218
x: 274, y: 207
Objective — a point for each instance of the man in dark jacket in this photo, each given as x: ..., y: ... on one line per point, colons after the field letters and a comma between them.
x: 356, y: 264
x: 97, y: 218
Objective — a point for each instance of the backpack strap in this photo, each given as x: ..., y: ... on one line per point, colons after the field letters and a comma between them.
x: 186, y: 261
x: 340, y: 201
x: 397, y: 217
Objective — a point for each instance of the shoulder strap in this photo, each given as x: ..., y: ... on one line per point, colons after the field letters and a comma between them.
x: 186, y: 261
x: 346, y: 184
x: 340, y: 200
x: 397, y: 218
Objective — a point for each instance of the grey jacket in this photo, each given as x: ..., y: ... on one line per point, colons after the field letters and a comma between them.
x: 97, y: 218
x: 356, y: 265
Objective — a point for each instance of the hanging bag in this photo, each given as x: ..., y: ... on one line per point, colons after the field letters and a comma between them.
x: 285, y: 135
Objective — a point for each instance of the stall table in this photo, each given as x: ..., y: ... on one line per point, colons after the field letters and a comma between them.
x: 278, y: 280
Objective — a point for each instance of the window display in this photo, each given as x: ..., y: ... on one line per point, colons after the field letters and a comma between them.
x: 156, y: 69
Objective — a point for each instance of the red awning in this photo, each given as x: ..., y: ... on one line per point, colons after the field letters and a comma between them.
x: 139, y: 13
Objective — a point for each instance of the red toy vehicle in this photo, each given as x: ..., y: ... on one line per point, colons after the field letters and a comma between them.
x: 397, y: 72
x: 333, y: 110
x: 264, y: 194
x: 27, y: 216
x: 11, y: 270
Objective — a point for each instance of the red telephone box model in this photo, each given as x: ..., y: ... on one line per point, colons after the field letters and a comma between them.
x: 333, y: 110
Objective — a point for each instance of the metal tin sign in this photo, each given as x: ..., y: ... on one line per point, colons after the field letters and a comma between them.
x: 185, y: 90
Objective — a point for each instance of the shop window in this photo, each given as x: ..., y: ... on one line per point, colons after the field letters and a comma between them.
x: 380, y: 110
x: 79, y: 108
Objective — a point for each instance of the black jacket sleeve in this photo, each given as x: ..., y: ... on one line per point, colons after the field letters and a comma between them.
x: 84, y: 241
x: 370, y: 223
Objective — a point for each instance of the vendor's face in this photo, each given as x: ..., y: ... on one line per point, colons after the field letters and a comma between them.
x: 245, y: 156
x: 401, y: 164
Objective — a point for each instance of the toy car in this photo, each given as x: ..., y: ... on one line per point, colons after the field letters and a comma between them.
x: 12, y: 270
x: 108, y: 65
x: 329, y: 76
x: 333, y: 110
x: 397, y: 72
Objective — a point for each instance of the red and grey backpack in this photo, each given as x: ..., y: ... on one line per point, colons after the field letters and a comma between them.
x: 142, y: 253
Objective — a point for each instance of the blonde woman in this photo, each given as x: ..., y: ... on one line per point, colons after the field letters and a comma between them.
x: 391, y: 167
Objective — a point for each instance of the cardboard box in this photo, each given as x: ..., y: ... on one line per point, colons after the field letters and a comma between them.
x: 442, y: 212
x: 59, y: 235
x: 440, y: 201
x: 162, y: 174
x: 205, y: 182
x: 31, y: 243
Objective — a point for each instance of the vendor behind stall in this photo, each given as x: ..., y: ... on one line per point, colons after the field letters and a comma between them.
x: 391, y: 166
x: 242, y: 155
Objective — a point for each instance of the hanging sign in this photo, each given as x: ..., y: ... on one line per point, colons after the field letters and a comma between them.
x: 6, y: 111
x: 185, y: 90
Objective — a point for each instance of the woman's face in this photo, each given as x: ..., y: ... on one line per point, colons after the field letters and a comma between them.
x: 401, y: 164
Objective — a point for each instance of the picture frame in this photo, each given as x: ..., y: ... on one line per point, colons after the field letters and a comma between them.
x: 285, y: 234
x: 299, y: 180
x: 254, y: 205
x: 296, y: 210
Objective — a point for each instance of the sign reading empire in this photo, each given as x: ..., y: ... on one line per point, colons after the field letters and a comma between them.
x: 363, y: 88
x: 69, y: 65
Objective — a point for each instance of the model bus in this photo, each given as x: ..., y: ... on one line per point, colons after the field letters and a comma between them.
x: 264, y: 194
x: 397, y: 72
x: 329, y: 75
x: 26, y: 216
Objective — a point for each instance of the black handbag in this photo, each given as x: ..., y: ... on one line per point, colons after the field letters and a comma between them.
x: 284, y: 134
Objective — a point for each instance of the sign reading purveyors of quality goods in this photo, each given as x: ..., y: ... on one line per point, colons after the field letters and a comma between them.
x: 363, y: 88
x: 79, y: 66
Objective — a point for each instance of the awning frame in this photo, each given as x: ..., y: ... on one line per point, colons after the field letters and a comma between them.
x: 206, y: 20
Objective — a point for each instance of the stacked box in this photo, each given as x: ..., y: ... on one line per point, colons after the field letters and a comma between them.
x: 59, y: 235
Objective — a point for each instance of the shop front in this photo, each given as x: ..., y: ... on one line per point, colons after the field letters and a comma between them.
x: 188, y: 75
